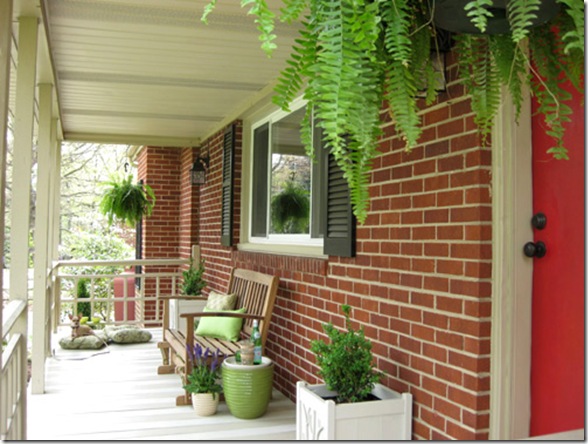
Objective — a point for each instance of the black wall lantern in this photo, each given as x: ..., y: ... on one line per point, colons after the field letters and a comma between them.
x: 198, y: 171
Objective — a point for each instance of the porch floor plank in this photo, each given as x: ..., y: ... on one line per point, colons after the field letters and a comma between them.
x: 118, y: 395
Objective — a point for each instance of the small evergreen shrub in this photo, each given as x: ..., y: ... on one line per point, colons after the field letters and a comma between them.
x: 346, y: 362
x: 193, y: 284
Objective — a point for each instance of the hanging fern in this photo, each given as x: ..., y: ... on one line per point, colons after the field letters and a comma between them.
x: 546, y: 85
x: 520, y: 16
x: 479, y: 13
x: 352, y: 53
x: 481, y: 79
x: 126, y: 201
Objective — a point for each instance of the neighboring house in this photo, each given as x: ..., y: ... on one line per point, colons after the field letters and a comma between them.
x: 427, y: 275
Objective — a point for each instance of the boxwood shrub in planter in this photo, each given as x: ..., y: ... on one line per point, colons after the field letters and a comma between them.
x: 351, y: 404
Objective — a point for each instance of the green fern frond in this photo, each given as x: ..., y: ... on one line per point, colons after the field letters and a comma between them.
x: 481, y: 79
x: 547, y: 87
x: 521, y: 14
x: 400, y: 86
x: 208, y: 8
x: 264, y: 18
x: 397, y: 39
x: 292, y: 10
x: 291, y: 79
x: 511, y: 67
x: 574, y: 37
x: 478, y: 13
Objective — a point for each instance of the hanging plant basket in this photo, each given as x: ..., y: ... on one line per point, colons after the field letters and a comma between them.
x: 453, y: 16
x: 353, y: 55
x: 126, y: 201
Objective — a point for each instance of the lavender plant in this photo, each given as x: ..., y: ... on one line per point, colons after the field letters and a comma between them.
x: 205, y: 371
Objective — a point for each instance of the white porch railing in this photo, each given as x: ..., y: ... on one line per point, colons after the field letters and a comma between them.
x: 13, y: 375
x: 131, y: 305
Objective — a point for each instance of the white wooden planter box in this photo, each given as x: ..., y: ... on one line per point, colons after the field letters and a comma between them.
x: 178, y: 306
x: 389, y: 418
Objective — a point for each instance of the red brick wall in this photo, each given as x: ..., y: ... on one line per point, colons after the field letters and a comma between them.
x: 160, y: 168
x: 419, y: 285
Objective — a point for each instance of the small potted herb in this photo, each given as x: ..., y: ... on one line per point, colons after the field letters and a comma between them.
x: 351, y: 392
x: 203, y: 382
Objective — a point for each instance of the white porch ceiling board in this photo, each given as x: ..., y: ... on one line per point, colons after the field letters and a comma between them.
x: 133, y: 67
x: 164, y: 100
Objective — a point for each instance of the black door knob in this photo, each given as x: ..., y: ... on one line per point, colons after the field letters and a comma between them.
x: 539, y: 221
x: 533, y: 249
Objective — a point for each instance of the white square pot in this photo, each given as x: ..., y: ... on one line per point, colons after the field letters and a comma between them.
x: 389, y: 418
x: 179, y: 306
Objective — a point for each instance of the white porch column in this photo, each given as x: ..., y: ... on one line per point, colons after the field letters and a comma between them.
x: 56, y: 199
x: 42, y: 222
x: 22, y: 157
x: 54, y: 194
x: 5, y: 45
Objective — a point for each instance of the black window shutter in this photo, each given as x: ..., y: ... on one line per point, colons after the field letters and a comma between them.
x: 227, y: 188
x: 259, y: 198
x: 339, y: 222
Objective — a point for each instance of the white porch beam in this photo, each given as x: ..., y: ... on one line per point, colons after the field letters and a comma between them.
x: 41, y: 239
x: 126, y: 139
x: 22, y: 156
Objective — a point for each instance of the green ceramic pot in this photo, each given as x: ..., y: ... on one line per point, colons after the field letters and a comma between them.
x: 247, y: 388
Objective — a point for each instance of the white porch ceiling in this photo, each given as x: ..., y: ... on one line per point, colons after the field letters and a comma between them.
x: 150, y: 72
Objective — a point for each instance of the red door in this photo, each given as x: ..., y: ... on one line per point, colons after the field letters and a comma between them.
x: 557, y: 363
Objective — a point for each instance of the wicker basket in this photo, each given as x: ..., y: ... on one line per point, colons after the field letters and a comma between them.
x: 247, y: 388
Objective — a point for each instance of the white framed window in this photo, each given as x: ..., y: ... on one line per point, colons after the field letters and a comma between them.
x: 287, y: 185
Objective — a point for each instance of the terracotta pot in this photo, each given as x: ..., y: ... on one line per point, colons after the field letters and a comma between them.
x: 205, y: 404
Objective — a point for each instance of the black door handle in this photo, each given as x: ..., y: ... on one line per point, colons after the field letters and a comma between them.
x: 533, y: 249
x: 539, y: 221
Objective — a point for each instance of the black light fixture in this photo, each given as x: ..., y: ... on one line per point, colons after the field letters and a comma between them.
x: 198, y: 171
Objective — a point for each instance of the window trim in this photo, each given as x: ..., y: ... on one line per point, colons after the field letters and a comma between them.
x: 306, y: 243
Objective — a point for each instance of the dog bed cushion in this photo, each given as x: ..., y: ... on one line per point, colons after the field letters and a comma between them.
x: 92, y: 342
x: 127, y: 334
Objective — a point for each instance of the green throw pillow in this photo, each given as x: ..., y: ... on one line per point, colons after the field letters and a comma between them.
x: 220, y: 327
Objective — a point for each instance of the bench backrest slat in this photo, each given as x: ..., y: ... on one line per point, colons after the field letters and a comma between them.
x: 257, y: 293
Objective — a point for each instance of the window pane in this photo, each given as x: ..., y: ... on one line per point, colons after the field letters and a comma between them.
x: 290, y: 178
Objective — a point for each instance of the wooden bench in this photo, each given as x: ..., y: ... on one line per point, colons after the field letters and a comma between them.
x: 256, y: 292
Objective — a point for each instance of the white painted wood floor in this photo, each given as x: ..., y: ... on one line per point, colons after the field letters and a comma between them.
x: 119, y: 396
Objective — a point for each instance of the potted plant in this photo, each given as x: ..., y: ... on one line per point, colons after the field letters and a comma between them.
x: 126, y: 201
x: 203, y: 381
x: 352, y: 404
x: 352, y: 55
x: 193, y: 284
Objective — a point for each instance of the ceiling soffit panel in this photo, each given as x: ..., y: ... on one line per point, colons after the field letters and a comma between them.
x: 151, y: 67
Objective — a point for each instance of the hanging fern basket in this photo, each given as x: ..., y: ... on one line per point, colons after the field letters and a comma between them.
x: 351, y: 55
x: 126, y: 201
x: 453, y: 16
